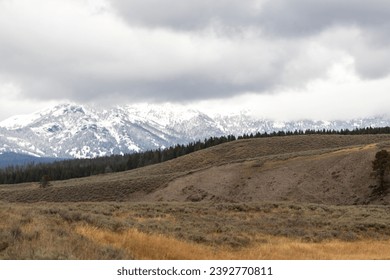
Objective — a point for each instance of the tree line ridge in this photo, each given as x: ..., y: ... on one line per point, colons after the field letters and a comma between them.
x: 77, y: 168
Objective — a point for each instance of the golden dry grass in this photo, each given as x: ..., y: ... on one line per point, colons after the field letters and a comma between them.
x: 288, y: 249
x: 159, y: 247
x: 147, y: 246
x: 193, y: 231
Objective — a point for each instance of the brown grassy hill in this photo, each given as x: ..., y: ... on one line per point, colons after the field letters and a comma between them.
x: 330, y: 169
x: 338, y: 177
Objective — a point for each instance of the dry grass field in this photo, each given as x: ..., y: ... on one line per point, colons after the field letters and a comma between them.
x: 297, y: 197
x: 193, y: 231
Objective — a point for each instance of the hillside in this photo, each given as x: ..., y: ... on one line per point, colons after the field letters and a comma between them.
x: 326, y: 169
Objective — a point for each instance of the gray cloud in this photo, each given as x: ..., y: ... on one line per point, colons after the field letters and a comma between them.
x: 184, y: 50
x: 372, y: 66
x: 280, y: 17
x: 188, y: 15
x: 305, y: 17
x: 290, y: 19
x: 96, y: 56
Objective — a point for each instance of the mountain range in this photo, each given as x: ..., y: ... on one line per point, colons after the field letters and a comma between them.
x: 78, y: 131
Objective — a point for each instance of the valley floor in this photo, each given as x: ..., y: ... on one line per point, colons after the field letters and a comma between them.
x: 118, y: 230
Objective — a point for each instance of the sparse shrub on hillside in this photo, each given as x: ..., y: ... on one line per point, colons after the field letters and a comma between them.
x: 45, y: 181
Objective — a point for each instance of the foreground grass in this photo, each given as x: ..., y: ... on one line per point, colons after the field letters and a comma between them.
x: 152, y: 247
x: 193, y: 231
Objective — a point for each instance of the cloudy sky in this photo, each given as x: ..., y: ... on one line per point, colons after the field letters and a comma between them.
x: 282, y: 59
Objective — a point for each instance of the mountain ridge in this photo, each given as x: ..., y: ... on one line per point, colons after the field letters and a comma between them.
x: 79, y: 131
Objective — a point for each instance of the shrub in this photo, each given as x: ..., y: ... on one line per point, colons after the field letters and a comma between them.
x: 45, y: 181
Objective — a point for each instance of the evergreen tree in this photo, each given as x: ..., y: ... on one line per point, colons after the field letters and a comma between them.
x: 45, y: 181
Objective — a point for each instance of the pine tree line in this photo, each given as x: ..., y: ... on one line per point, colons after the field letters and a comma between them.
x: 356, y: 131
x: 77, y: 168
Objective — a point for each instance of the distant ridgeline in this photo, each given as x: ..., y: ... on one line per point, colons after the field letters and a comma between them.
x: 77, y: 168
x: 10, y: 158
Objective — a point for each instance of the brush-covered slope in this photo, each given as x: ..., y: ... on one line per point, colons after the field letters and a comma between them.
x: 330, y: 169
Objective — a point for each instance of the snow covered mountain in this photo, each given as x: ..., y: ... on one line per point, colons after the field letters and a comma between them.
x: 75, y: 131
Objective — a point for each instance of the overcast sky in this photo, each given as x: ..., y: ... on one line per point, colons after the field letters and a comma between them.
x: 283, y: 59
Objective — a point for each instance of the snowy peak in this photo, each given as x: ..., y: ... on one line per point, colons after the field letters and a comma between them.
x: 76, y: 131
x: 18, y: 121
x: 21, y: 121
x: 70, y: 130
